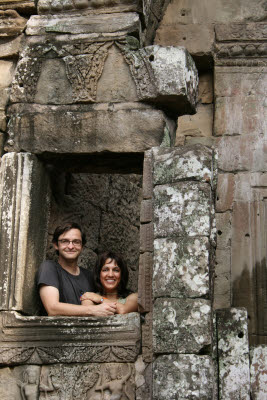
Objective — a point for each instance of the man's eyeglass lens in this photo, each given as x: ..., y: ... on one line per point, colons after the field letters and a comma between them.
x: 66, y: 242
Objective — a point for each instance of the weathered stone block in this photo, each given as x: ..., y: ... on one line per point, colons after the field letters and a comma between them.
x: 147, y: 347
x: 7, y: 69
x: 24, y: 202
x: 182, y: 164
x: 49, y: 340
x: 146, y: 213
x: 205, y: 88
x: 224, y: 229
x: 225, y: 192
x: 175, y: 78
x: 186, y: 376
x: 181, y: 325
x: 181, y: 267
x: 76, y: 380
x: 11, y: 23
x: 131, y: 127
x: 11, y: 47
x: 146, y: 237
x: 233, y: 352
x: 24, y: 6
x: 145, y: 282
x: 200, y: 124
x: 148, y: 175
x: 197, y: 38
x: 258, y: 372
x: 222, y: 280
x: 240, y: 115
x: 2, y: 121
x: 242, y: 153
x: 182, y: 209
x: 121, y: 23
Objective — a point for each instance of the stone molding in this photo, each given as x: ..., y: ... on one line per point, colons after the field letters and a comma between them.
x: 48, y: 340
x: 240, y: 44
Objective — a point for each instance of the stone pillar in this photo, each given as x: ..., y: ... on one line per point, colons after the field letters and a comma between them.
x: 24, y: 207
x: 240, y: 127
x: 179, y: 319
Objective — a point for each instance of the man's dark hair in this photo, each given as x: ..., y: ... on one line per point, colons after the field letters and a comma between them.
x: 101, y: 260
x: 65, y: 228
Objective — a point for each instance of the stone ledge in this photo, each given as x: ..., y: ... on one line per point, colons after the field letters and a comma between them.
x: 46, y: 340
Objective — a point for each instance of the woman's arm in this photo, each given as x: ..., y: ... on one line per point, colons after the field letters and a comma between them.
x: 130, y: 305
x: 94, y: 298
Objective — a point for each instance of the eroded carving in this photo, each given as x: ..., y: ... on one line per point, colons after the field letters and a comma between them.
x: 29, y: 385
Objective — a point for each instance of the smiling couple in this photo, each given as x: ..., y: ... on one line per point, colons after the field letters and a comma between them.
x: 67, y: 289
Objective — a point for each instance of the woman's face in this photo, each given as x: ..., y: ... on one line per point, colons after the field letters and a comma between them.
x: 110, y: 276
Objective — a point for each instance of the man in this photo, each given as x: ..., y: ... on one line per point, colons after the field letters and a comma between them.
x: 62, y: 283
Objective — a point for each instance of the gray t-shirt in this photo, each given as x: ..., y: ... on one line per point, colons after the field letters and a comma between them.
x: 70, y: 287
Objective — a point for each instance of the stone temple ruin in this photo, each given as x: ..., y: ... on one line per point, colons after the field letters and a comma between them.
x: 145, y: 121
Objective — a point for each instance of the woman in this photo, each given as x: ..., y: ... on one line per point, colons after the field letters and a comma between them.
x: 111, y: 278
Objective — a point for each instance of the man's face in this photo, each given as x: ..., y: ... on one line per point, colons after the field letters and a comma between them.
x: 69, y: 245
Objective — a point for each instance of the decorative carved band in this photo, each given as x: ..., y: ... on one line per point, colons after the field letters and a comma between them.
x: 68, y: 339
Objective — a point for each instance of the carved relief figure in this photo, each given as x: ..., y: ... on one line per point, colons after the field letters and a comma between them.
x: 113, y: 384
x: 29, y: 387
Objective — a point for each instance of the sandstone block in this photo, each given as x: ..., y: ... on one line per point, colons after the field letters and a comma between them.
x: 234, y: 379
x: 2, y: 121
x: 181, y: 267
x: 11, y: 47
x: 131, y: 127
x: 184, y: 376
x: 143, y: 379
x: 240, y: 116
x: 224, y: 229
x: 2, y: 138
x: 191, y: 141
x: 7, y: 69
x: 146, y: 213
x: 145, y: 282
x: 146, y: 237
x: 81, y: 24
x: 24, y: 206
x: 222, y: 280
x: 225, y: 192
x: 175, y: 78
x: 197, y: 38
x: 22, y: 6
x: 147, y: 347
x: 258, y: 372
x: 200, y: 124
x: 193, y: 162
x: 181, y: 325
x: 68, y: 339
x: 249, y: 186
x: 182, y: 209
x: 205, y: 88
x: 11, y: 23
x: 242, y: 153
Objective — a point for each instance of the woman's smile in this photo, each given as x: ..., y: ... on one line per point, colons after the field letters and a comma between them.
x: 110, y: 276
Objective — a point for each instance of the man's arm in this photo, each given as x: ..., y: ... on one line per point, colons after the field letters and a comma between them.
x: 50, y: 299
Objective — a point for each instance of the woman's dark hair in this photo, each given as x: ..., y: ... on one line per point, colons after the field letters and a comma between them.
x: 100, y: 262
x: 65, y: 228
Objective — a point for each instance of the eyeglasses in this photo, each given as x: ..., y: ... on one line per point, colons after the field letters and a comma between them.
x: 75, y: 242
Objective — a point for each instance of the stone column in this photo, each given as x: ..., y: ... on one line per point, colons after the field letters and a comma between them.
x: 180, y: 239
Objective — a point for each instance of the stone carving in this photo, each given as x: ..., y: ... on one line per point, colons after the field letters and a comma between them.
x: 114, y: 381
x: 84, y: 71
x: 117, y: 339
x: 240, y: 32
x: 29, y: 386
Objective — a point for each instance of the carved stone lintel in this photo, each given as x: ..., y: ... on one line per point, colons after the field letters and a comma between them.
x: 113, y: 339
